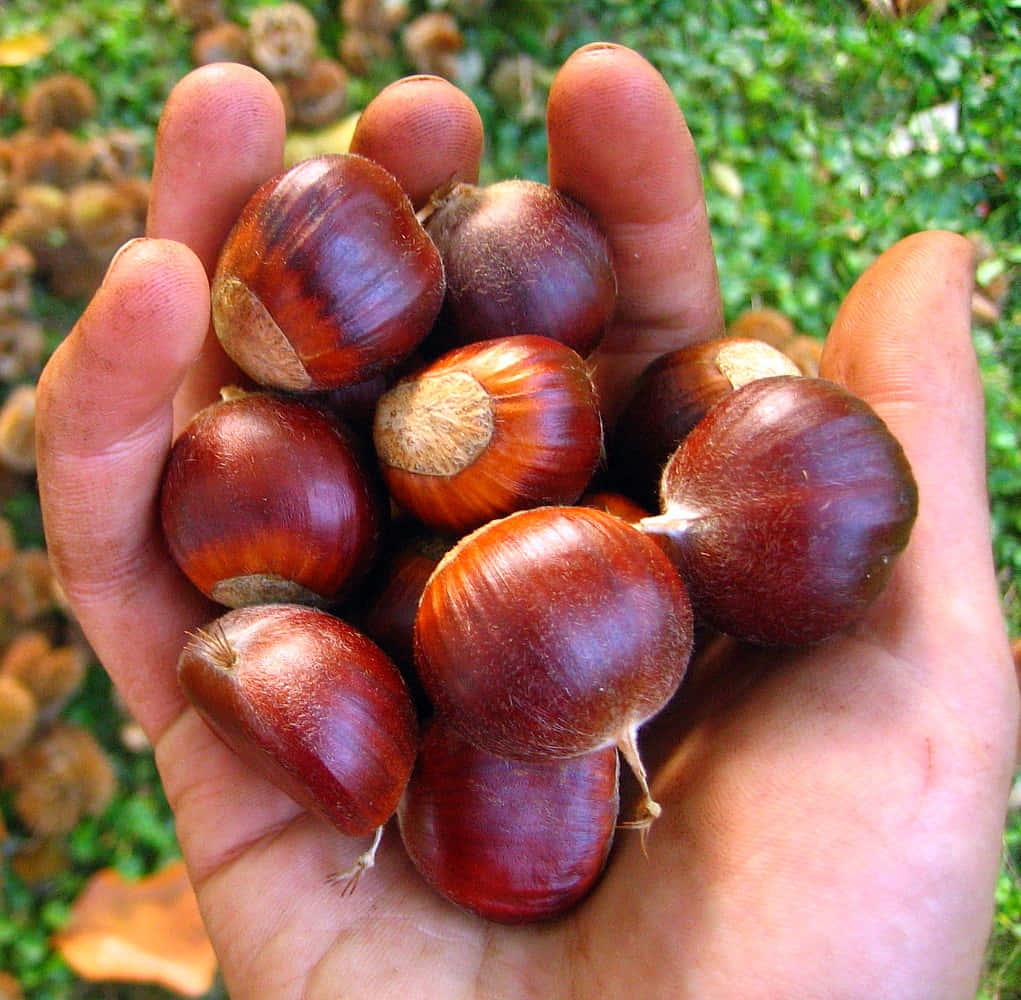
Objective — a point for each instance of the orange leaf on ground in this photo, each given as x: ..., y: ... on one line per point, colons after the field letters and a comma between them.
x: 146, y: 931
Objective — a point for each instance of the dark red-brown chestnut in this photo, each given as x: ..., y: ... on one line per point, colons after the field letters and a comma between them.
x: 487, y: 429
x: 553, y: 632
x: 672, y: 394
x: 784, y: 510
x: 311, y: 704
x: 512, y: 841
x: 389, y: 617
x: 521, y: 258
x: 327, y: 278
x: 265, y: 498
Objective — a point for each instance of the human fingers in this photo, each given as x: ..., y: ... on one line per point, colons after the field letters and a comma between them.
x: 619, y: 145
x: 902, y: 341
x: 856, y: 771
x: 425, y: 131
x: 220, y: 136
x: 104, y: 427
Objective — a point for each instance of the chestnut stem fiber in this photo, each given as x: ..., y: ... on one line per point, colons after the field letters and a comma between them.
x: 435, y: 426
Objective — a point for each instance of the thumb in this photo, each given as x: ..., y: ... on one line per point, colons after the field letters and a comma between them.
x: 104, y: 426
x: 902, y: 341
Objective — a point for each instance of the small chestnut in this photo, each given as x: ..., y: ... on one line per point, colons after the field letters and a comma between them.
x: 487, y: 429
x: 784, y: 510
x: 672, y: 394
x: 389, y: 618
x: 327, y: 278
x: 311, y: 704
x: 521, y: 258
x: 512, y: 841
x: 553, y: 632
x: 265, y: 498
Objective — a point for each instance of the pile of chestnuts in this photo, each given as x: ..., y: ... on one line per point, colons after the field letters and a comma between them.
x: 429, y: 610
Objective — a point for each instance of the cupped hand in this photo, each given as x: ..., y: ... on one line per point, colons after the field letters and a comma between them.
x: 831, y: 818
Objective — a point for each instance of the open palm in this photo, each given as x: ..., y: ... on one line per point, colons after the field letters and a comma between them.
x: 831, y: 817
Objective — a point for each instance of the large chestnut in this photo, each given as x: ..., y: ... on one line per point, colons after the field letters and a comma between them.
x: 327, y: 278
x: 487, y: 429
x: 512, y: 841
x: 784, y: 510
x: 311, y: 704
x: 672, y: 394
x: 265, y: 498
x: 553, y: 632
x: 521, y: 258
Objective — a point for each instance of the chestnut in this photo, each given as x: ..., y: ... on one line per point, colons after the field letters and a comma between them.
x: 512, y: 841
x: 311, y: 704
x: 390, y: 616
x: 553, y: 632
x: 672, y: 394
x: 487, y: 429
x: 784, y: 510
x: 614, y: 503
x: 265, y: 498
x: 327, y: 278
x: 521, y: 258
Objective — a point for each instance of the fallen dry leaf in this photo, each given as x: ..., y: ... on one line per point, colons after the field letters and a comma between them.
x: 19, y: 50
x: 145, y: 931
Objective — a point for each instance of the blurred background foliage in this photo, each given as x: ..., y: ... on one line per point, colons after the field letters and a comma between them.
x: 826, y: 132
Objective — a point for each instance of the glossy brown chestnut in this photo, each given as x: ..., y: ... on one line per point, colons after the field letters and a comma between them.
x: 265, y: 498
x: 327, y: 278
x: 784, y: 510
x: 311, y: 704
x: 614, y: 503
x: 510, y: 840
x: 389, y: 619
x: 487, y: 429
x: 672, y: 395
x: 521, y: 258
x: 553, y: 632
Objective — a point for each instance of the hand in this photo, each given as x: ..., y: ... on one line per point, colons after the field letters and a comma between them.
x: 831, y: 818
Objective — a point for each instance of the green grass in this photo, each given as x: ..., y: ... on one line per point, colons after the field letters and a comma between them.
x: 798, y: 100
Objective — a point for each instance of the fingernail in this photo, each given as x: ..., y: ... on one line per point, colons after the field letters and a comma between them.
x: 115, y: 260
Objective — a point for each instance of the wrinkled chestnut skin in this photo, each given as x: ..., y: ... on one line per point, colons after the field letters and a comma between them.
x: 784, y: 510
x: 266, y: 498
x: 311, y: 704
x: 509, y: 840
x: 521, y: 258
x: 552, y: 632
x: 327, y: 278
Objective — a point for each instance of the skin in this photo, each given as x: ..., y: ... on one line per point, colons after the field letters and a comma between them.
x: 831, y: 817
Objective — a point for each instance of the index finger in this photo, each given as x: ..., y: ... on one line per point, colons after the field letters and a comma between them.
x: 220, y: 136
